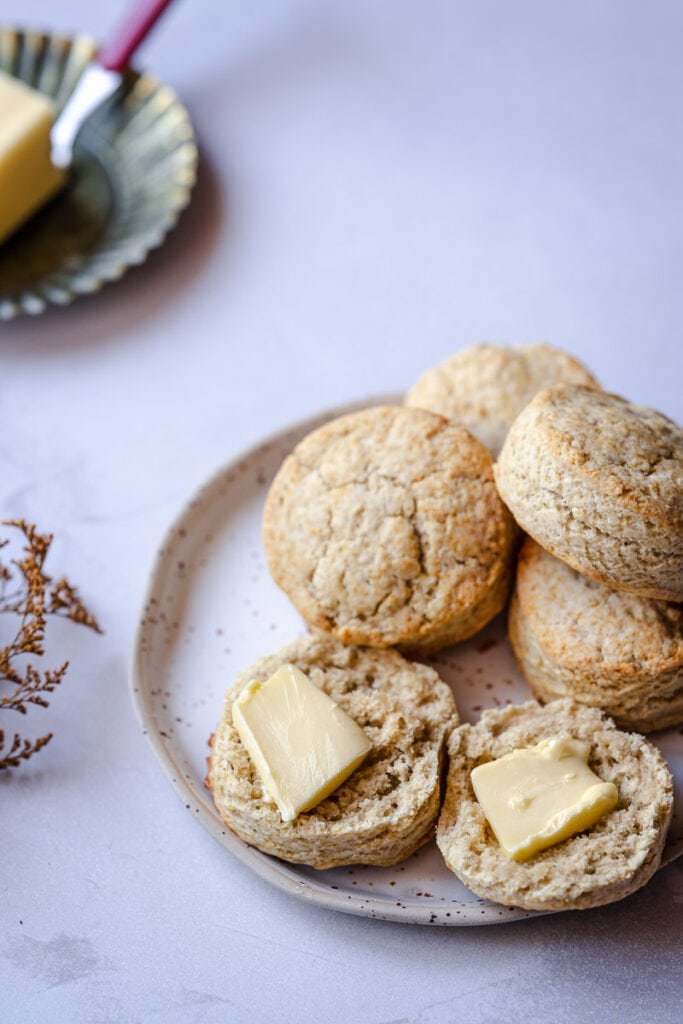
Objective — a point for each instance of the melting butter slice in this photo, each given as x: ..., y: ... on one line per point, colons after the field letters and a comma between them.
x: 27, y: 176
x: 538, y: 796
x: 303, y: 745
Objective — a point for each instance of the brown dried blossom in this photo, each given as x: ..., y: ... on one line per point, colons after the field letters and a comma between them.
x: 27, y: 592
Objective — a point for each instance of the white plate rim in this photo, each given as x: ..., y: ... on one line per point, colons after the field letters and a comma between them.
x: 279, y: 874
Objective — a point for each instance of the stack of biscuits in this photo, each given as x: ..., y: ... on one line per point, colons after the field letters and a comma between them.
x: 395, y: 534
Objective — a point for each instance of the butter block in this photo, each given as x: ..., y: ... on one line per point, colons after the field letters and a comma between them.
x: 302, y: 744
x: 27, y: 176
x: 538, y: 796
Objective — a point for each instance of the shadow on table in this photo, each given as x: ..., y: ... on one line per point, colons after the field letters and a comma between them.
x: 620, y: 959
x: 106, y: 315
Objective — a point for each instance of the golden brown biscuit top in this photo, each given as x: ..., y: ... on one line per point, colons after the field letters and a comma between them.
x: 384, y: 520
x: 635, y: 452
x: 486, y: 386
x: 584, y: 624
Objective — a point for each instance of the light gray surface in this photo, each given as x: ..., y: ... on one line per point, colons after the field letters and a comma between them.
x: 382, y: 184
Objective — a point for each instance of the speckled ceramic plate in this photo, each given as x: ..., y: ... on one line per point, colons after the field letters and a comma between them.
x: 212, y: 609
x: 133, y: 171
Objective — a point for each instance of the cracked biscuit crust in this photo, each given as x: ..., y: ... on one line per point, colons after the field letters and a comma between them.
x: 387, y: 808
x: 486, y: 386
x: 598, y: 482
x: 604, y: 863
x: 616, y: 651
x: 384, y: 527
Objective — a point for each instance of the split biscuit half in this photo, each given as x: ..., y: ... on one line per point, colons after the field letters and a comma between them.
x: 604, y: 863
x: 387, y: 808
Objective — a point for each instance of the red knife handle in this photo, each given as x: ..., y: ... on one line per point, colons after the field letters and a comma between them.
x: 115, y: 55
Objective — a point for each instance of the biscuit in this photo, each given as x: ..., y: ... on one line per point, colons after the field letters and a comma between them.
x: 576, y: 638
x: 486, y: 386
x: 598, y: 482
x: 387, y: 808
x: 384, y: 528
x: 604, y: 863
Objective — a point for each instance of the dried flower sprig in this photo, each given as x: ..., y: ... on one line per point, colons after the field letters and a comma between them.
x: 29, y: 593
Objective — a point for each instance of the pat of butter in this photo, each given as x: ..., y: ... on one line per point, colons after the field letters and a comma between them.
x: 27, y: 175
x: 302, y: 744
x: 538, y: 796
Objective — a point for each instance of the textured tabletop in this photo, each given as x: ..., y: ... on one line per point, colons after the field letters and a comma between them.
x: 380, y: 185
